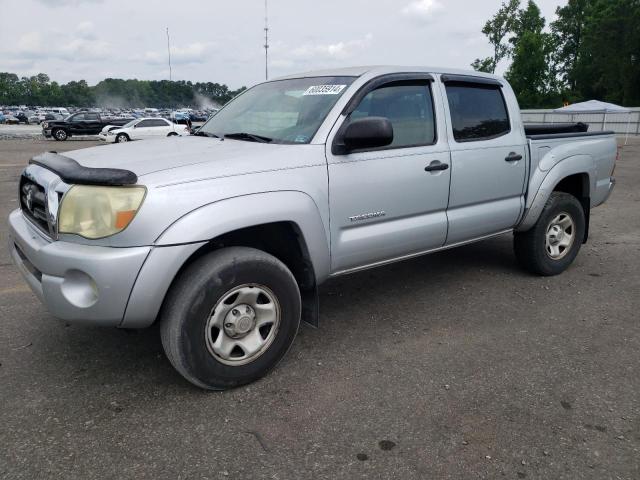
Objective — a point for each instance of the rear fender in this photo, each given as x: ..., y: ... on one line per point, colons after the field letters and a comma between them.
x: 543, y: 183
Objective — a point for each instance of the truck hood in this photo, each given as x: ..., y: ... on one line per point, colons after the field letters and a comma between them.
x: 214, y: 157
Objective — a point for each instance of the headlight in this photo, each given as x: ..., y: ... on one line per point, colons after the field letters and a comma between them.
x: 45, y: 124
x: 111, y: 132
x: 98, y: 212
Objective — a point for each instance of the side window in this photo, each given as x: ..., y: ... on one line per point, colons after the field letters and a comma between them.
x: 478, y: 112
x: 144, y: 123
x: 91, y: 116
x: 159, y: 123
x: 409, y: 108
x: 78, y: 118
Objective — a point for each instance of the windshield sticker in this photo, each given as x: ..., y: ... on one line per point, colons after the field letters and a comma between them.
x: 324, y: 90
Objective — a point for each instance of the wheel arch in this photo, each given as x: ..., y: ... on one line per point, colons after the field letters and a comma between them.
x: 290, y: 228
x: 574, y: 175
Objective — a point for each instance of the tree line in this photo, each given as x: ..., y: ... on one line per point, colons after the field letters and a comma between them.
x: 111, y: 92
x: 590, y: 51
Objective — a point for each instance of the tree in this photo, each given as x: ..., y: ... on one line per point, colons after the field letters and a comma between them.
x: 567, y: 31
x: 608, y: 61
x: 496, y: 29
x: 530, y: 74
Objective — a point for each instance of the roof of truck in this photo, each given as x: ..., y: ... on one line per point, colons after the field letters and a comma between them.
x: 383, y: 69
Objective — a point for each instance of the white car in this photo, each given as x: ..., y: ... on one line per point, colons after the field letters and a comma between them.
x: 142, y: 128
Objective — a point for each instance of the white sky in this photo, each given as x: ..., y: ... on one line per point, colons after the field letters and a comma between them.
x: 221, y: 41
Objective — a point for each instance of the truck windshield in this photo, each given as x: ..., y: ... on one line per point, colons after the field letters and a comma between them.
x: 282, y: 111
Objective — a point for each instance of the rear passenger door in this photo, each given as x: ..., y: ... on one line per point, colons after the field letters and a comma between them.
x: 92, y: 123
x: 384, y: 204
x: 488, y: 163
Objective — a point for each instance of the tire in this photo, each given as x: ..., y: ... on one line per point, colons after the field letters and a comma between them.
x: 172, y: 134
x: 122, y: 138
x: 552, y: 244
x: 60, y: 134
x: 204, y: 292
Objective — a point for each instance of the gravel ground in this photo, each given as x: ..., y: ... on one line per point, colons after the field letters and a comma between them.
x: 454, y: 365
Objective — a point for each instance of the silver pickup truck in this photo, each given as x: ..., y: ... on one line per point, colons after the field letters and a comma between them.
x: 223, y: 237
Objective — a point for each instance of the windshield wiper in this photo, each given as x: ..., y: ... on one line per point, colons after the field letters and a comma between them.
x: 252, y: 137
x: 206, y: 134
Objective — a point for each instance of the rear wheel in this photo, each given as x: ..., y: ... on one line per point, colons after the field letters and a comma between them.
x: 172, y: 134
x: 230, y: 317
x: 552, y: 244
x: 122, y: 138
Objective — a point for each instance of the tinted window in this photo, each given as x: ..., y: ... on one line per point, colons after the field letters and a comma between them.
x: 409, y: 108
x: 78, y: 118
x: 158, y: 123
x: 145, y: 123
x: 91, y: 116
x: 478, y: 112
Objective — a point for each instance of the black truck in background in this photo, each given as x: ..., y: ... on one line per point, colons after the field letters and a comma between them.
x: 81, y: 123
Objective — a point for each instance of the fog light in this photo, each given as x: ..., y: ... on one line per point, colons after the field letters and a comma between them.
x: 79, y: 289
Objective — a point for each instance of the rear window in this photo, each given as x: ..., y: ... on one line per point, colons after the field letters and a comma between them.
x: 478, y: 112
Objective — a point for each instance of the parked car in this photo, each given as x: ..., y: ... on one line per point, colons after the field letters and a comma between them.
x: 22, y: 118
x: 141, y: 129
x: 2, y: 118
x: 81, y: 123
x: 11, y: 120
x: 224, y: 236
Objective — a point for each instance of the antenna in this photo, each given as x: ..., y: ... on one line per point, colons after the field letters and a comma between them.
x: 173, y: 120
x: 169, y: 52
x: 266, y: 42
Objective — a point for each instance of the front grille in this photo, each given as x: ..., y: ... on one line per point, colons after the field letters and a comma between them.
x: 33, y: 201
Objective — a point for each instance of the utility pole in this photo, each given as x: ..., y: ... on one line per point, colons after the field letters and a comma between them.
x: 169, y: 52
x: 266, y: 42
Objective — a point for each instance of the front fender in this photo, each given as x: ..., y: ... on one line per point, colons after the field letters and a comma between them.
x: 542, y: 183
x: 224, y: 216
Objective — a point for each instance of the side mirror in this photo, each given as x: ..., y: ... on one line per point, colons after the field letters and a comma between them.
x: 368, y: 132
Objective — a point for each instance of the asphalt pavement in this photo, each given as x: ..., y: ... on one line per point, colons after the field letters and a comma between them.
x: 454, y: 365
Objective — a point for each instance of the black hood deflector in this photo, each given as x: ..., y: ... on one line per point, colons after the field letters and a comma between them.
x: 72, y: 172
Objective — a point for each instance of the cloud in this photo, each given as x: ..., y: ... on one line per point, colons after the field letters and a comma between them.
x: 86, y: 30
x: 74, y: 3
x: 193, y: 53
x: 337, y: 51
x: 422, y: 9
x: 71, y: 47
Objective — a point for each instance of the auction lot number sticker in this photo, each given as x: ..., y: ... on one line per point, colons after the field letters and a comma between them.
x: 324, y: 90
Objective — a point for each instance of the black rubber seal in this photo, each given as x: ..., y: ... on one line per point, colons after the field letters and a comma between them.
x: 72, y: 172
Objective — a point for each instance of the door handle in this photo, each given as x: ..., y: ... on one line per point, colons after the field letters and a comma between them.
x: 435, y: 166
x: 513, y: 157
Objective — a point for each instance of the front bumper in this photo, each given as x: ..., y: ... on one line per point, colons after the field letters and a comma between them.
x: 46, y: 132
x: 79, y: 283
x: 107, y: 138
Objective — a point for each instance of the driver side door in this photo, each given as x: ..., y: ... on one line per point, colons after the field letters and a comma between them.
x: 389, y: 202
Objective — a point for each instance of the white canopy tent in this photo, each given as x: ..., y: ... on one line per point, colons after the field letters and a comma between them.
x: 596, y: 106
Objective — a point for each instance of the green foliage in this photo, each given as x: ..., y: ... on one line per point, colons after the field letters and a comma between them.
x: 608, y: 62
x: 111, y: 92
x: 496, y: 29
x: 483, y: 65
x: 530, y: 71
x: 591, y: 52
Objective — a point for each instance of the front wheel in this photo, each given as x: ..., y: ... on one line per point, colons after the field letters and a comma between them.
x: 230, y: 317
x: 122, y: 138
x: 552, y: 244
x: 60, y: 134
